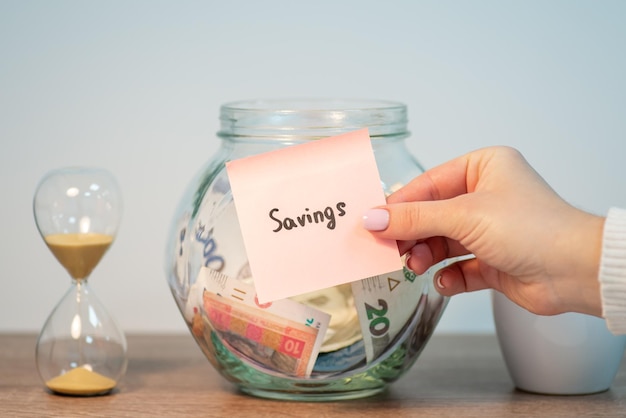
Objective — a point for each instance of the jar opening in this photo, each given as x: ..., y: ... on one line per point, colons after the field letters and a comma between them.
x: 311, y: 118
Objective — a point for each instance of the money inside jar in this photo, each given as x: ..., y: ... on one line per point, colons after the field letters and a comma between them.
x: 283, y: 335
x: 326, y: 331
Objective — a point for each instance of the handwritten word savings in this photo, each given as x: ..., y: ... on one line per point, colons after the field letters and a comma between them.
x: 327, y: 216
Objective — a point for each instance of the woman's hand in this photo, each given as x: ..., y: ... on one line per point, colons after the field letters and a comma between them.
x: 529, y: 243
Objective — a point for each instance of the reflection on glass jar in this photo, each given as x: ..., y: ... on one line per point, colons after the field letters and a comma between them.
x: 344, y: 342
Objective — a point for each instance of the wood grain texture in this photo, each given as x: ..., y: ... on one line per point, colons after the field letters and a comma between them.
x: 457, y: 375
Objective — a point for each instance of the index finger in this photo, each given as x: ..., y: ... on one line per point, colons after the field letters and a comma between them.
x: 442, y: 182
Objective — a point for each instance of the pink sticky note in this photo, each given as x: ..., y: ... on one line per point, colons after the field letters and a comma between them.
x: 300, y: 210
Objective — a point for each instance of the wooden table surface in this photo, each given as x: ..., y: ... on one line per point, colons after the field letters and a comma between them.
x: 457, y: 375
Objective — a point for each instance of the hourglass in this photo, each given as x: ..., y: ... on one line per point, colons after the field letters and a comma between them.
x: 80, y: 350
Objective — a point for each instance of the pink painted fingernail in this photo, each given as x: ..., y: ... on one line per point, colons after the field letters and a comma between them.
x: 376, y: 220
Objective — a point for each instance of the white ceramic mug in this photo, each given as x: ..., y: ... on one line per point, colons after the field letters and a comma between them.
x: 566, y: 354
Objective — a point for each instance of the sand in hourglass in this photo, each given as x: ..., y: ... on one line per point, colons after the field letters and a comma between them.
x: 78, y: 253
x: 81, y: 381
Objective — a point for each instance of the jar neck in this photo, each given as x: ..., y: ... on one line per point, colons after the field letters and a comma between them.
x: 299, y: 120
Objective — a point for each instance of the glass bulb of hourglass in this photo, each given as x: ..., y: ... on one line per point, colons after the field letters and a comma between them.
x: 80, y: 350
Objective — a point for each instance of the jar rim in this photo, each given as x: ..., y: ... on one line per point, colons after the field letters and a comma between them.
x: 311, y: 118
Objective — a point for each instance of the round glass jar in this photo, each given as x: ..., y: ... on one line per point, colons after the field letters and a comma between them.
x: 376, y: 331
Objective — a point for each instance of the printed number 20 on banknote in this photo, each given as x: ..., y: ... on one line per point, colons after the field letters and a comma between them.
x: 284, y: 335
x: 384, y: 304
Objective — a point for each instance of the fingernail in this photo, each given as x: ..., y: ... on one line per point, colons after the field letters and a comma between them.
x: 407, y: 257
x: 439, y: 282
x: 376, y: 220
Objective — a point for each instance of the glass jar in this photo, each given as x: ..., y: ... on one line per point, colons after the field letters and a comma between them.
x: 378, y: 325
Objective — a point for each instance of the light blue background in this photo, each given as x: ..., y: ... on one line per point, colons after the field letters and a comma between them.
x: 135, y: 86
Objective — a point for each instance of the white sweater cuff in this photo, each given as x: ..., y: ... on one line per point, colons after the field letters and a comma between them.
x: 612, y: 274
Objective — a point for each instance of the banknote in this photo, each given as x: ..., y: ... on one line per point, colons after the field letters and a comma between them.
x: 283, y: 335
x: 341, y: 360
x: 384, y: 304
x: 236, y: 290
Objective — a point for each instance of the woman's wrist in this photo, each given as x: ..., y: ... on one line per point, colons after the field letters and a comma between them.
x: 581, y: 250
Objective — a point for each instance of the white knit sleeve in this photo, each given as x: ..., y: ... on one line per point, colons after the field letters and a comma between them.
x: 612, y: 274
